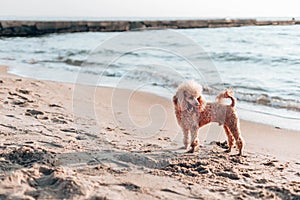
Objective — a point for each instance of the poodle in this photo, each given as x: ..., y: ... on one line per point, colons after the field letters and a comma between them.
x: 193, y: 112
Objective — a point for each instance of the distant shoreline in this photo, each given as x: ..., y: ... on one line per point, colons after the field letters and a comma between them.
x: 12, y: 28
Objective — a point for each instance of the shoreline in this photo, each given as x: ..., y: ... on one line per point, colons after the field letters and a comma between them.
x: 254, y: 111
x: 57, y: 141
x: 247, y: 123
x: 13, y: 28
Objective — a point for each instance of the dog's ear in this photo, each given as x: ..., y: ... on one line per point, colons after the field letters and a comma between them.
x: 182, y: 101
x: 175, y: 100
x: 199, y: 99
x: 201, y: 103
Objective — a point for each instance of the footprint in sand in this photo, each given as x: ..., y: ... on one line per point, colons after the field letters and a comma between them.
x: 270, y: 163
x: 58, y: 121
x: 19, y: 103
x: 25, y: 156
x: 55, y: 106
x: 33, y: 112
x: 23, y: 91
x: 21, y: 100
x: 109, y: 129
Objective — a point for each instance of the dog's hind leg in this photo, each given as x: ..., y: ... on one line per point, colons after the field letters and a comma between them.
x: 235, y: 130
x: 230, y: 138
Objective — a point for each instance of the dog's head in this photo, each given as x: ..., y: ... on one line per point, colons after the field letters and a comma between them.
x: 188, y: 96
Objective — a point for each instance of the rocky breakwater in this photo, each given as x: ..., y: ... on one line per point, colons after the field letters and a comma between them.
x: 34, y: 28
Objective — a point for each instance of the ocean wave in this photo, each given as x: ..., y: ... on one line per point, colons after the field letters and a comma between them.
x: 254, y: 95
x: 270, y: 101
x: 236, y: 56
x: 252, y: 58
x: 39, y: 51
x: 73, y: 62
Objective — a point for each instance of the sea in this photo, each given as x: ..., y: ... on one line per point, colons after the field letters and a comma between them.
x: 260, y: 63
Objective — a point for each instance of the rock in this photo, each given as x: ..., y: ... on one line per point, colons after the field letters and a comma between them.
x: 246, y: 22
x: 11, y: 24
x: 79, y: 26
x: 121, y: 26
x: 263, y: 23
x: 53, y: 26
x: 199, y: 24
x: 31, y: 28
x: 48, y: 26
x: 136, y: 25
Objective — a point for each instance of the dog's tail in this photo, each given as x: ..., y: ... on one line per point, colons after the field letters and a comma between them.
x: 227, y: 94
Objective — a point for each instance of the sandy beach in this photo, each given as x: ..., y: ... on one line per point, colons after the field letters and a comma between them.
x: 64, y: 141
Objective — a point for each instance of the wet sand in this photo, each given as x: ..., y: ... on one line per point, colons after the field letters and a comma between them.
x: 60, y: 141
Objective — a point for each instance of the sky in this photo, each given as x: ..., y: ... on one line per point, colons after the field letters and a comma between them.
x: 150, y: 8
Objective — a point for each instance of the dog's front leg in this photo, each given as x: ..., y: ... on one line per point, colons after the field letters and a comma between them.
x: 185, y: 138
x: 194, y: 140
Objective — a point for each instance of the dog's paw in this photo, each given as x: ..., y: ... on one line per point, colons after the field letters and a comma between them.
x: 184, y: 148
x: 227, y: 151
x: 241, y: 154
x: 191, y: 151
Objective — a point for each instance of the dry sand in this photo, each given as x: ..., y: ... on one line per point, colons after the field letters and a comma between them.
x: 118, y: 149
